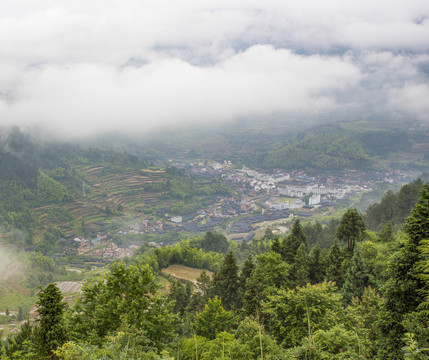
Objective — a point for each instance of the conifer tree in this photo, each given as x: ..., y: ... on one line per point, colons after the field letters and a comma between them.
x: 386, y: 233
x: 334, y: 270
x: 246, y: 273
x: 403, y: 292
x: 301, y: 266
x: 252, y: 295
x: 228, y: 285
x: 351, y: 229
x: 275, y: 246
x: 317, y: 267
x: 356, y: 278
x: 292, y: 242
x: 20, y: 314
x: 50, y: 333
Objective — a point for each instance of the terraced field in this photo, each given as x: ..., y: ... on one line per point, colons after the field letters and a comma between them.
x: 104, y: 186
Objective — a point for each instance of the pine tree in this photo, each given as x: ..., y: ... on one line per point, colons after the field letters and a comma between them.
x: 291, y: 243
x: 228, y: 281
x: 50, y: 333
x: 356, y: 278
x: 386, y: 233
x: 334, y: 270
x: 246, y: 273
x: 20, y: 314
x: 252, y: 296
x: 404, y: 290
x: 275, y: 245
x: 351, y: 229
x: 317, y: 267
x: 301, y: 266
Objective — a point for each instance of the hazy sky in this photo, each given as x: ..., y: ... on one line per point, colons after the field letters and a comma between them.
x: 82, y: 67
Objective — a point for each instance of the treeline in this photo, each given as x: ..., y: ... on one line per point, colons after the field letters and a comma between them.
x: 333, y: 147
x: 394, y: 208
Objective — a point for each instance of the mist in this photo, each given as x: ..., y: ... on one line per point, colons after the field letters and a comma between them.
x: 79, y: 69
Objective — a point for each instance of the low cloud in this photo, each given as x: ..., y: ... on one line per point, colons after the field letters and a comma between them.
x: 83, y: 68
x: 89, y: 98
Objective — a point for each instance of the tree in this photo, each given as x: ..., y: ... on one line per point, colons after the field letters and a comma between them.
x: 50, y: 332
x: 246, y: 273
x: 334, y: 271
x: 275, y: 246
x: 213, y: 319
x: 20, y: 314
x: 351, y: 229
x: 214, y: 242
x: 180, y: 295
x: 201, y: 296
x: 356, y: 278
x: 291, y: 243
x: 317, y: 265
x: 301, y: 266
x: 252, y: 296
x: 290, y: 313
x: 404, y: 291
x: 273, y: 272
x: 7, y: 312
x: 124, y: 297
x: 386, y: 233
x: 228, y: 286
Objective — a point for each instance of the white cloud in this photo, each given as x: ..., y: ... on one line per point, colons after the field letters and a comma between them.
x: 82, y: 66
x: 261, y: 80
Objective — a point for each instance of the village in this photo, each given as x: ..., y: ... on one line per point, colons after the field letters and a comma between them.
x: 259, y: 199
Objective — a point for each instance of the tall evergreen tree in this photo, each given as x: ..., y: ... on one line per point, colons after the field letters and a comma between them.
x: 403, y: 292
x: 246, y: 272
x: 50, y: 333
x: 228, y: 282
x: 292, y: 242
x: 275, y: 246
x: 252, y: 296
x: 356, y: 278
x: 317, y: 266
x: 386, y: 233
x: 301, y: 266
x: 351, y: 229
x: 334, y: 271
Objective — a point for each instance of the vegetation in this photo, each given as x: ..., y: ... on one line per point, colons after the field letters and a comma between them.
x: 354, y: 288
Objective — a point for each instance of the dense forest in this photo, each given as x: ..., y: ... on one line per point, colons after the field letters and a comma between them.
x: 356, y: 288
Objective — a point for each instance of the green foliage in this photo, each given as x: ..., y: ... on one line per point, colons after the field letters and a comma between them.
x: 214, y: 242
x: 334, y: 271
x: 412, y: 350
x: 213, y: 320
x: 291, y: 314
x: 393, y: 207
x: 50, y: 190
x: 124, y: 296
x: 356, y: 278
x: 363, y: 316
x: 291, y: 243
x: 404, y: 289
x: 226, y: 282
x: 50, y: 332
x: 351, y: 229
x: 273, y: 272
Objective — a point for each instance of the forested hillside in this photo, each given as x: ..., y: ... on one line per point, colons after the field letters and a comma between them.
x: 337, y: 291
x: 358, y: 144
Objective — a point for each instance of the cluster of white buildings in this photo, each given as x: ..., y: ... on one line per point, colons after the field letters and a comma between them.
x: 300, y: 191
